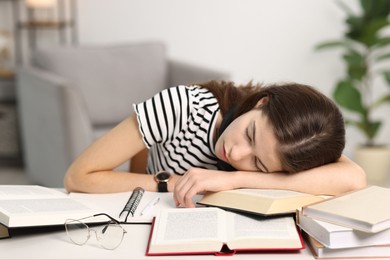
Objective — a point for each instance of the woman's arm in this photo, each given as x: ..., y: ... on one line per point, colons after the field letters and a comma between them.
x: 331, y: 179
x: 93, y: 171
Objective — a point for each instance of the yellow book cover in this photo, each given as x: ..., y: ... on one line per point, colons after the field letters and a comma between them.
x: 259, y: 201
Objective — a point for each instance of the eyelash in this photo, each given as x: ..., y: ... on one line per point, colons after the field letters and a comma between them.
x: 250, y: 142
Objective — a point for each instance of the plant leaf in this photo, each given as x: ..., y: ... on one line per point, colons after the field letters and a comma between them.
x: 381, y: 101
x: 347, y: 96
x: 356, y: 64
x: 345, y: 7
x: 382, y: 57
x: 386, y: 75
x: 332, y: 44
x: 376, y: 8
x: 369, y: 128
x: 369, y: 31
x: 383, y: 41
x: 355, y: 27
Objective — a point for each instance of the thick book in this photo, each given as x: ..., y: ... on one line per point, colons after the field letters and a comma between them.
x: 335, y: 236
x: 367, y: 252
x: 266, y: 202
x: 187, y: 231
x: 32, y: 206
x: 367, y: 209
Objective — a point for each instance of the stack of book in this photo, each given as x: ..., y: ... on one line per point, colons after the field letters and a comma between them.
x: 353, y: 225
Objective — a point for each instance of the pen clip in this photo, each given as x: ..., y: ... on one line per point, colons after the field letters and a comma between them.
x: 150, y: 206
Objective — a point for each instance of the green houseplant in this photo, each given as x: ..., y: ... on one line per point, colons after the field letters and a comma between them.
x: 365, y: 49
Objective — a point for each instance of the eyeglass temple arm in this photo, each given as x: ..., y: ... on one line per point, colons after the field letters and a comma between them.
x: 111, y: 218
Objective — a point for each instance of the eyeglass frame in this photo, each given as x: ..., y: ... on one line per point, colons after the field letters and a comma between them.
x: 112, y: 221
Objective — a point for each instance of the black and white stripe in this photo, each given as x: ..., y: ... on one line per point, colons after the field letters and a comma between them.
x: 177, y: 126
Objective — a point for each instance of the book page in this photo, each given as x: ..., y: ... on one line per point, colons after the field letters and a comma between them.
x: 28, y: 191
x: 31, y: 206
x: 41, y: 212
x: 255, y: 232
x: 184, y: 224
x: 270, y: 228
x: 270, y: 193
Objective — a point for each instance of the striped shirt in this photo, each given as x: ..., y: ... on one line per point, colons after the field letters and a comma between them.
x: 177, y: 126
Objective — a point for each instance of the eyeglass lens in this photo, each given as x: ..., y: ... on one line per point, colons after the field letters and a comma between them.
x: 109, y: 235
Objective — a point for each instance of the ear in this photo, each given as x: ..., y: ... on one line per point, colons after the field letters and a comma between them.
x: 261, y: 102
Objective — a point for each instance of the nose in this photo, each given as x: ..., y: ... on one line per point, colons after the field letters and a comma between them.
x: 239, y: 153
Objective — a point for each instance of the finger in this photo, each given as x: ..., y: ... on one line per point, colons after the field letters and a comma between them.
x: 185, y: 195
x: 175, y: 189
x: 188, y: 202
x: 189, y: 191
x: 178, y: 190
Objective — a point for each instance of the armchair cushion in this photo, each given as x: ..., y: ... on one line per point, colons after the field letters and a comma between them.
x: 135, y: 72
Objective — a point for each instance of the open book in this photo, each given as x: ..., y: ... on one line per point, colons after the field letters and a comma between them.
x: 26, y: 206
x: 215, y: 231
x: 259, y: 201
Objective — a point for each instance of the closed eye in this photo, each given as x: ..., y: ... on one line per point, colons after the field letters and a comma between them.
x: 257, y: 160
x: 250, y: 138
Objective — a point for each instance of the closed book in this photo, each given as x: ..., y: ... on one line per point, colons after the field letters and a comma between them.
x: 367, y: 252
x: 367, y: 209
x: 335, y: 236
x: 187, y: 231
x: 265, y: 202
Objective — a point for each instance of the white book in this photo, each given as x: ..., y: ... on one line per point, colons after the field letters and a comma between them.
x: 367, y: 209
x: 367, y: 252
x: 335, y: 236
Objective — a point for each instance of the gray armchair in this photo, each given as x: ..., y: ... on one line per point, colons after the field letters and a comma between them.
x: 69, y: 96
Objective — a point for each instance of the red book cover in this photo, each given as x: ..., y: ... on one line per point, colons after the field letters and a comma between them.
x: 159, y: 243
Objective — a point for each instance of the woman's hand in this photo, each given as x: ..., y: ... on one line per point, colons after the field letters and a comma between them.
x: 197, y: 180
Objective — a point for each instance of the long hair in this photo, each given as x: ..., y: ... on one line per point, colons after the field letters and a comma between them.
x: 308, y: 126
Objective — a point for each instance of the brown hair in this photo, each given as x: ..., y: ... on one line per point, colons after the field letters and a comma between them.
x: 308, y: 126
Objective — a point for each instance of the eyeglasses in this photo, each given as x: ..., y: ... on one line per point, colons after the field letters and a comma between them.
x: 107, y: 230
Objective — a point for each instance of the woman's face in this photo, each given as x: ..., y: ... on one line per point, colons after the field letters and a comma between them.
x: 249, y: 144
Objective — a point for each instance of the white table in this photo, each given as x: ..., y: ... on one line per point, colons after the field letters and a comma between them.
x: 55, y: 245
